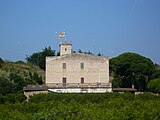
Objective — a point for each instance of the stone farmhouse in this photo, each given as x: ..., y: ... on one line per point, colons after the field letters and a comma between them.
x: 77, y: 72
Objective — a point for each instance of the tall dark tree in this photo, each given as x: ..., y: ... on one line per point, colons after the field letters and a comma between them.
x: 130, y: 68
x: 39, y: 57
x: 80, y: 51
x: 46, y: 52
x: 99, y: 54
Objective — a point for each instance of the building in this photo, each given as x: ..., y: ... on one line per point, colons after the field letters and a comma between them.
x: 77, y: 72
x: 30, y: 90
x: 122, y: 90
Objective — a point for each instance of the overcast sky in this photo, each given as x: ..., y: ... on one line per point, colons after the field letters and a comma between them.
x: 110, y: 27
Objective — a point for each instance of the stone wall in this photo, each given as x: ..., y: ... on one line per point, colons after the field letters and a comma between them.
x: 30, y: 93
x: 65, y: 48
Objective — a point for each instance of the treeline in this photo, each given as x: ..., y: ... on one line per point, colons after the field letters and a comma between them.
x: 106, y: 106
x: 38, y: 58
x: 130, y: 69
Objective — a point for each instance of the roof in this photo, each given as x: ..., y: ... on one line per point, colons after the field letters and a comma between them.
x: 77, y: 55
x: 124, y: 90
x: 66, y: 43
x: 35, y: 88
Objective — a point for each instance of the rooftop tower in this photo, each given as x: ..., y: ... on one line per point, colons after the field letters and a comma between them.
x: 65, y: 48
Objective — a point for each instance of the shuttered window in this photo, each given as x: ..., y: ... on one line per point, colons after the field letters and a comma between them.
x: 82, y: 79
x: 82, y: 65
x: 64, y: 65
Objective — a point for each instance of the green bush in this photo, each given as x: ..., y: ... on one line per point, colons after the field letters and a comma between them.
x: 54, y: 106
x: 154, y: 85
x: 12, y: 98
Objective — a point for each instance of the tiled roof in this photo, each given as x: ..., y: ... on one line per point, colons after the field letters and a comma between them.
x: 124, y: 90
x: 35, y: 88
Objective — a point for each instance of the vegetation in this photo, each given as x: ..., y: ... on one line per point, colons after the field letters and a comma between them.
x: 12, y: 98
x: 154, y: 85
x: 130, y: 68
x: 13, y: 76
x: 89, y: 52
x: 156, y: 74
x: 125, y: 69
x: 84, y: 106
x: 38, y: 58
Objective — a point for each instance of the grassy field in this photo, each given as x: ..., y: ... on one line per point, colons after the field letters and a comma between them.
x: 22, y: 68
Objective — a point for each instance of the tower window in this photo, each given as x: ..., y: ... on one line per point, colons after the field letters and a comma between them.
x: 64, y: 65
x: 82, y: 79
x: 82, y: 65
x: 65, y: 49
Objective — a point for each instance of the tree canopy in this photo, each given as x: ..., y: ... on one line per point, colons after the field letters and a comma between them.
x: 39, y: 57
x: 154, y: 85
x: 131, y: 68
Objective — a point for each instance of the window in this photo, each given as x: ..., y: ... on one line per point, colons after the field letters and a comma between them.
x: 64, y: 81
x: 65, y: 49
x: 64, y: 65
x: 82, y: 80
x: 82, y: 65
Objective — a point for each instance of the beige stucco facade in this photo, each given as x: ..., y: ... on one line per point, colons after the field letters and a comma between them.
x: 65, y: 48
x: 96, y: 69
x: 77, y: 69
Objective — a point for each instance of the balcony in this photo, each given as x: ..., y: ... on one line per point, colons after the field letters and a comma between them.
x: 78, y: 85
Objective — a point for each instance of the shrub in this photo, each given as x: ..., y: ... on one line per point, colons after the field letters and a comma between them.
x: 154, y: 85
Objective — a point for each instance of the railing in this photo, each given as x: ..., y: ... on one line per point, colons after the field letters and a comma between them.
x: 79, y: 85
